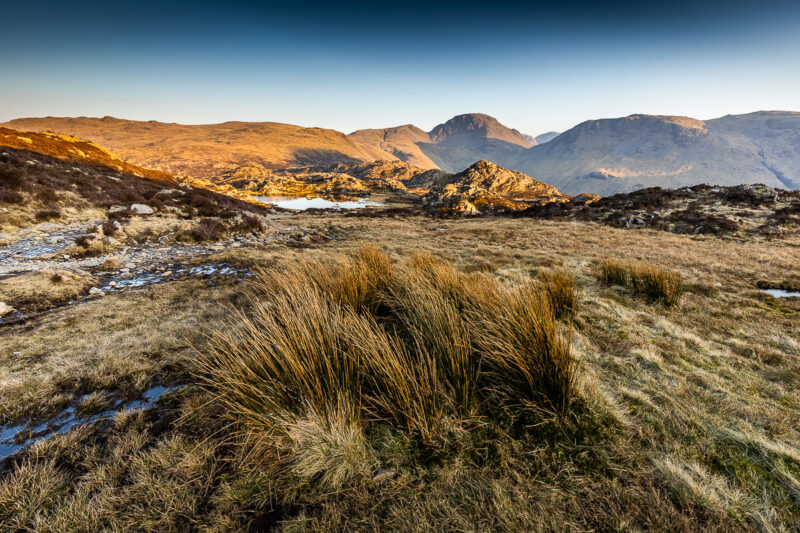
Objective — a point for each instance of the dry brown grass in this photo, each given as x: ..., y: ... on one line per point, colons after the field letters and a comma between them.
x: 527, y: 356
x: 36, y: 291
x: 124, y: 342
x: 363, y: 342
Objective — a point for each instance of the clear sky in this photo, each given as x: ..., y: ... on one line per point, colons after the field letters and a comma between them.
x: 534, y: 66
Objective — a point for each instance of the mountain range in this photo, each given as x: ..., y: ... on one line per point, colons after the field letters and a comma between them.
x: 604, y: 156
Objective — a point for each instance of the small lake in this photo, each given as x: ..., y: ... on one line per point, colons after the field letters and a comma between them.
x: 780, y: 293
x: 302, y: 203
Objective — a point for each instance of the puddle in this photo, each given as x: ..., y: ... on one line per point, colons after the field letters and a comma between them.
x: 301, y: 204
x: 19, y: 435
x: 780, y: 293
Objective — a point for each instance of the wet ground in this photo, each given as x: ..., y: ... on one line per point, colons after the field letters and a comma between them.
x: 17, y: 435
x: 38, y: 249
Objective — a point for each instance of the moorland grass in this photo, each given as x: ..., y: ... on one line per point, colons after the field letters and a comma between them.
x: 683, y: 421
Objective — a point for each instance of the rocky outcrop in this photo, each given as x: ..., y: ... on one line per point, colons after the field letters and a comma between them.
x: 488, y: 188
x: 259, y: 180
x: 327, y: 180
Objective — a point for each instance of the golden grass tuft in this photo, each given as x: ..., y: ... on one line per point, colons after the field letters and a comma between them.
x: 656, y: 283
x: 559, y: 285
x: 526, y: 355
x: 353, y: 342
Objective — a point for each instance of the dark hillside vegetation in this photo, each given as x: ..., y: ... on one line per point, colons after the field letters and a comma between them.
x: 47, y: 184
x: 700, y: 209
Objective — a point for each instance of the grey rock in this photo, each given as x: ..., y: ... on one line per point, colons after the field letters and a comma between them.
x: 116, y: 208
x: 141, y: 209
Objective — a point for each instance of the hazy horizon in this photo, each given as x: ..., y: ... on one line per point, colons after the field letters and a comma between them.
x: 536, y: 68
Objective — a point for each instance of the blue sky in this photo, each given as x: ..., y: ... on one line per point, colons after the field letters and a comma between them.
x: 536, y: 67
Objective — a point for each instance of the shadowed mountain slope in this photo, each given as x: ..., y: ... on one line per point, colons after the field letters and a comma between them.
x: 546, y: 137
x: 618, y: 155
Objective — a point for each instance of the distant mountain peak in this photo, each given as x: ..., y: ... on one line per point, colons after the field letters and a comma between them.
x: 478, y: 125
x: 546, y: 137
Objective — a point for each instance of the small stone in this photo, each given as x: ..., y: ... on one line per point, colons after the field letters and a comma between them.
x: 5, y: 309
x: 116, y: 208
x: 94, y: 291
x: 383, y: 475
x: 112, y: 283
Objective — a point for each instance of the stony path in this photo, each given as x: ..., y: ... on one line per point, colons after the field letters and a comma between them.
x: 38, y: 248
x: 41, y: 248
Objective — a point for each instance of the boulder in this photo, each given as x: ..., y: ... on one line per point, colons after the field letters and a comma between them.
x: 141, y: 209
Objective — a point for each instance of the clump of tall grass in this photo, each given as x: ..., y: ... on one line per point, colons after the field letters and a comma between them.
x: 656, y: 283
x: 284, y: 360
x: 333, y: 348
x: 435, y: 329
x: 526, y: 354
x: 559, y: 285
x: 613, y: 272
x: 355, y: 281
